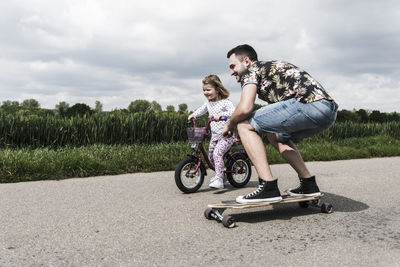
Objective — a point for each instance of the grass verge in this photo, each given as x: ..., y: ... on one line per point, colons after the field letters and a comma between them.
x: 17, y: 165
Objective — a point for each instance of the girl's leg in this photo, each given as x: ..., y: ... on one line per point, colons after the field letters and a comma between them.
x: 223, y: 145
x: 213, y: 143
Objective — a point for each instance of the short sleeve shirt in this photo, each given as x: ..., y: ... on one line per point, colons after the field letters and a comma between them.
x: 278, y: 81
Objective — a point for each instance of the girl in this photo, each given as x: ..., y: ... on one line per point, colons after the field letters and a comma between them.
x: 217, y: 105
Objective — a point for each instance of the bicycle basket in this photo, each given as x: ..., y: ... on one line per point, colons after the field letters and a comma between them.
x: 196, y: 135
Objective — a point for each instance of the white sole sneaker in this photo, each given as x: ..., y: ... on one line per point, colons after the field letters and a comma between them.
x: 225, y: 179
x: 302, y: 195
x: 242, y: 200
x: 217, y: 184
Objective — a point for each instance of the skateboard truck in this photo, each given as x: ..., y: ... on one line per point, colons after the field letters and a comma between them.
x: 325, y: 207
x: 216, y: 214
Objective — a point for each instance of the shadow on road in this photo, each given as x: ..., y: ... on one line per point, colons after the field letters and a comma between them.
x: 344, y: 204
x: 288, y: 211
x: 340, y: 203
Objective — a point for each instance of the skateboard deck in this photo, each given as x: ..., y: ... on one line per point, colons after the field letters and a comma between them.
x: 214, y: 211
x: 232, y: 204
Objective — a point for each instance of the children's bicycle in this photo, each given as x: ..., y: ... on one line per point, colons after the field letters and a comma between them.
x: 190, y: 172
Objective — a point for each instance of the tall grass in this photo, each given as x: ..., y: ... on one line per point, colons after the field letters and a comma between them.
x: 34, y: 131
x: 350, y: 129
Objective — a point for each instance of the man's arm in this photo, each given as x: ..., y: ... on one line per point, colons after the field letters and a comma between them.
x: 243, y: 109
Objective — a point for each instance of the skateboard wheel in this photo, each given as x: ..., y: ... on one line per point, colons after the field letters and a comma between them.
x: 304, y: 204
x: 228, y: 221
x: 207, y: 213
x: 326, y: 208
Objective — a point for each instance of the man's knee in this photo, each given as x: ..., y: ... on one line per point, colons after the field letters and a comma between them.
x: 282, y: 147
x: 244, y: 126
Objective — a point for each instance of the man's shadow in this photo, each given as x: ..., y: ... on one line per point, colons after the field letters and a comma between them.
x: 290, y: 210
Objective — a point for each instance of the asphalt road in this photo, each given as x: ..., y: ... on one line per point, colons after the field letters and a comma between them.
x: 144, y: 220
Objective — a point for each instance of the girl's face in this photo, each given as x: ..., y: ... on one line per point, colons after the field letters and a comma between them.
x: 211, y: 93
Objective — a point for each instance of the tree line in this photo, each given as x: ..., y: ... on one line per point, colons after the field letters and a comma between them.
x: 365, y: 116
x: 63, y: 109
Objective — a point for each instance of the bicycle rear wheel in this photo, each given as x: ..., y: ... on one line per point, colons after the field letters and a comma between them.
x: 239, y: 170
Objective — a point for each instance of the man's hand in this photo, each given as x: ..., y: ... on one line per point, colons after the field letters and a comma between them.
x: 227, y: 131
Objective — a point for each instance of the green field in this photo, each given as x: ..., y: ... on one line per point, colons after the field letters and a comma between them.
x: 38, y: 147
x: 38, y: 131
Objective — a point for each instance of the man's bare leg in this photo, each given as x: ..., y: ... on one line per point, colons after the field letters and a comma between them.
x: 255, y: 148
x: 291, y: 154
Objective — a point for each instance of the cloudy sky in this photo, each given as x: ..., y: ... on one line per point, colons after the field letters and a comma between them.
x: 117, y: 51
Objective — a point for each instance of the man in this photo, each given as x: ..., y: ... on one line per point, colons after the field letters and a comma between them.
x: 298, y: 107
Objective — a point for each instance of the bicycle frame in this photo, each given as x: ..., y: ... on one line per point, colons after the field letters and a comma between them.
x: 200, y: 150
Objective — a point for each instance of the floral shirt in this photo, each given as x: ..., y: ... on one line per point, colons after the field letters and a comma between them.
x: 278, y: 81
x: 222, y: 107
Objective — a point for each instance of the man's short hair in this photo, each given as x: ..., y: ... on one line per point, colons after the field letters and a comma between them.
x: 244, y: 50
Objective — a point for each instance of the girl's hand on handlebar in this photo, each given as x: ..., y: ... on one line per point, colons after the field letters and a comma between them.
x: 216, y: 117
x: 219, y: 117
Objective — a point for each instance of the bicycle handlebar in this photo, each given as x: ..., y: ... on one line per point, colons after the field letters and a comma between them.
x: 211, y: 118
x: 223, y: 118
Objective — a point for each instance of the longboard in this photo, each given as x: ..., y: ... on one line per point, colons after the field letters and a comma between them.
x: 214, y: 211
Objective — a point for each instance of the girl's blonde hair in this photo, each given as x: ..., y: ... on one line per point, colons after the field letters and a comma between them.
x: 214, y: 81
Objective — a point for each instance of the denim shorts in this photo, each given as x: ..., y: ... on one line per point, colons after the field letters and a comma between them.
x: 293, y: 120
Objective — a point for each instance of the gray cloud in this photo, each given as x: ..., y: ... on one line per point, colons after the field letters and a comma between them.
x: 119, y: 51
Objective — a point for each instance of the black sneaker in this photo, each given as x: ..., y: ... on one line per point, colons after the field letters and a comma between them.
x: 307, y: 188
x: 267, y: 191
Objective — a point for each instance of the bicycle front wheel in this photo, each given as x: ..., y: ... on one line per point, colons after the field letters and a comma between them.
x: 187, y: 178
